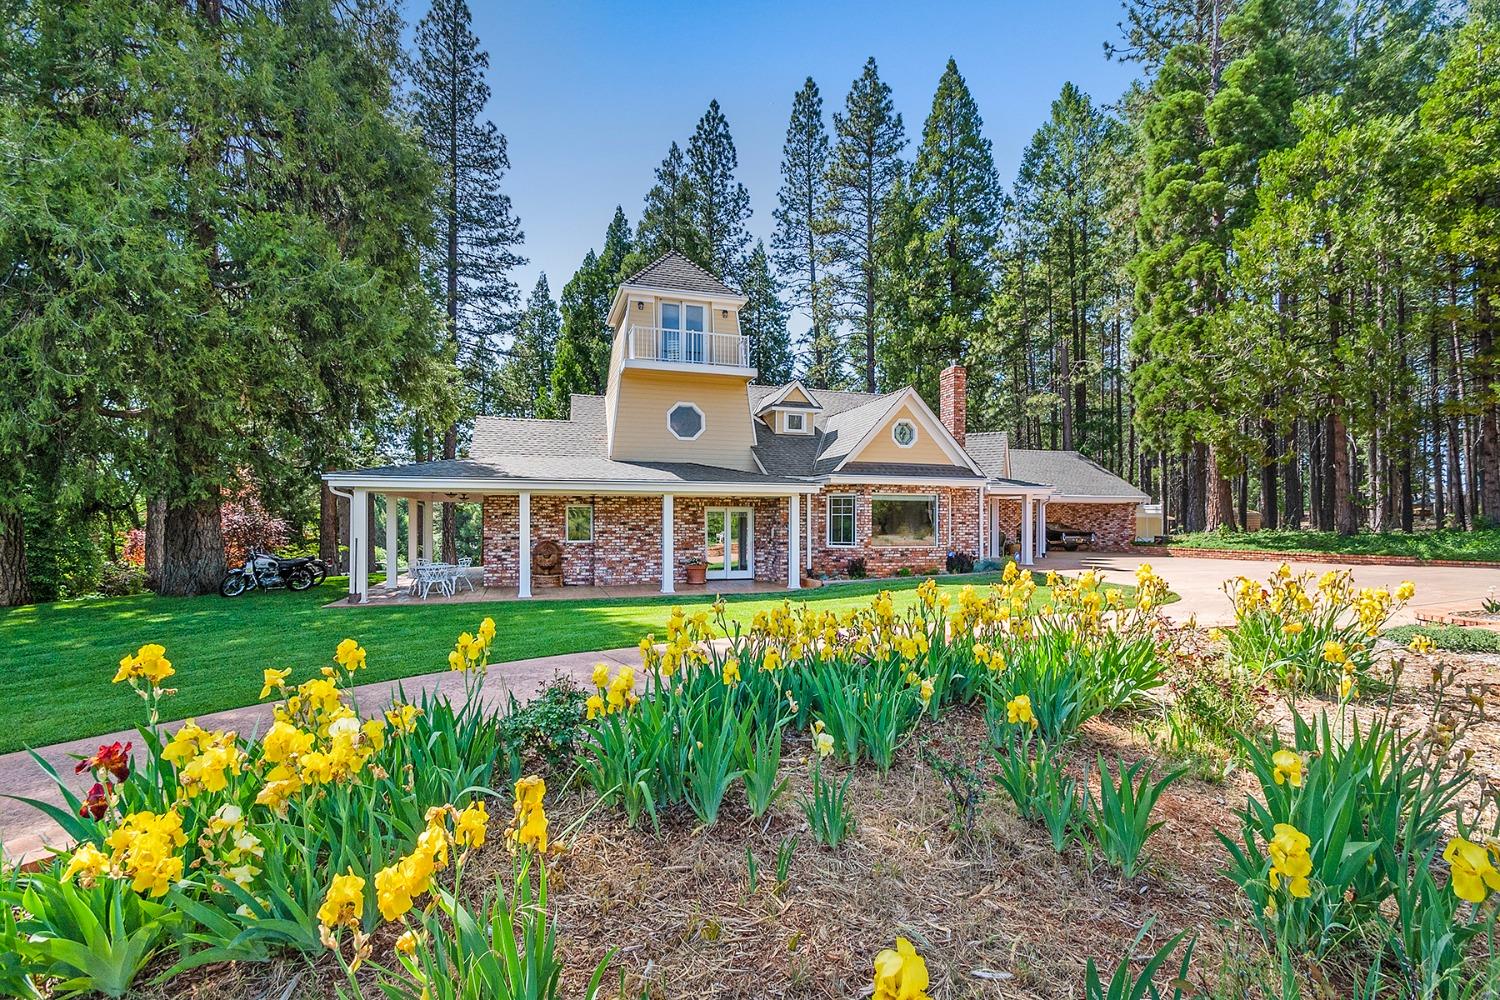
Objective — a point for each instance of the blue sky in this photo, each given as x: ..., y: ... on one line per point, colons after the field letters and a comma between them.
x: 591, y: 94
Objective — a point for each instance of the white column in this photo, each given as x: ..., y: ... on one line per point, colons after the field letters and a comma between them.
x: 359, y: 545
x: 1028, y: 529
x: 428, y: 532
x: 808, y: 554
x: 984, y: 514
x: 523, y: 553
x: 1041, y: 528
x: 411, y: 533
x: 668, y: 547
x: 793, y: 540
x: 391, y: 517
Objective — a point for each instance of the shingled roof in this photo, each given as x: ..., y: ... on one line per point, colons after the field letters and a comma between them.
x: 675, y: 272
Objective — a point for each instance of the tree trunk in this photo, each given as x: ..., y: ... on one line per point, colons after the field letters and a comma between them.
x: 1487, y: 471
x: 1219, y: 503
x: 15, y: 588
x: 1292, y: 510
x: 193, y: 556
x: 328, y: 528
x: 1345, y: 519
x: 1315, y: 476
x: 155, y: 540
x: 1268, y: 464
x: 1196, y: 486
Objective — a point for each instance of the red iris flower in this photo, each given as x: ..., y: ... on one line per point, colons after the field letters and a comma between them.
x: 114, y: 758
x: 95, y: 806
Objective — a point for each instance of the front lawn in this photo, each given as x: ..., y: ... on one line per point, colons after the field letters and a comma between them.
x: 58, y: 659
x: 1482, y: 544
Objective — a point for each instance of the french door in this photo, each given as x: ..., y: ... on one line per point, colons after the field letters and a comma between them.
x: 730, y: 532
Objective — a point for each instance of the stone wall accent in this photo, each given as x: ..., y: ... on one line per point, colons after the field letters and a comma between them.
x: 626, y: 548
x: 957, y: 530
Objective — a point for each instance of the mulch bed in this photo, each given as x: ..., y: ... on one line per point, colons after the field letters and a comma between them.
x: 995, y: 911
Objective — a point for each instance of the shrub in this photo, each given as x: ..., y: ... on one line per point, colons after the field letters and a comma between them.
x: 960, y: 562
x: 856, y: 568
x: 542, y: 734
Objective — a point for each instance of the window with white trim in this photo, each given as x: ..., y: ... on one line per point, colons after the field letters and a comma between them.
x: 796, y: 422
x: 903, y: 521
x: 904, y: 433
x: 579, y: 523
x: 685, y: 421
x: 841, y: 529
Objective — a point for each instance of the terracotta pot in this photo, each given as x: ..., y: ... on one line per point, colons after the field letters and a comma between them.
x: 697, y: 573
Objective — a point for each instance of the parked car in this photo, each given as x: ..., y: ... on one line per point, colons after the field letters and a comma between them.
x: 1068, y: 537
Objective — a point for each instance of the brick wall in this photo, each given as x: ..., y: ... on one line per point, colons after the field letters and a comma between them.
x: 953, y: 402
x: 627, y: 537
x: 957, y: 529
x: 1113, y: 524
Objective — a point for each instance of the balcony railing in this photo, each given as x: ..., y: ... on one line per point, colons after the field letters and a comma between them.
x: 688, y: 347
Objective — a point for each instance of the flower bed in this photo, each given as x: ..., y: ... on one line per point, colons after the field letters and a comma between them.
x: 940, y: 801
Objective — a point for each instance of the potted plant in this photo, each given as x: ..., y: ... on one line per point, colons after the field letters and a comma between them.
x: 697, y: 571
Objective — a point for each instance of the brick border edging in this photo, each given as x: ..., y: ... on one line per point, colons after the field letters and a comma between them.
x: 1353, y: 559
x: 1432, y: 617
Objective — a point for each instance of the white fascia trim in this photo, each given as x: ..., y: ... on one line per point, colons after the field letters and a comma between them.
x: 735, y: 302
x: 407, y: 484
x: 642, y: 364
x: 1036, y: 492
x: 775, y: 400
x: 838, y: 479
x: 1072, y: 498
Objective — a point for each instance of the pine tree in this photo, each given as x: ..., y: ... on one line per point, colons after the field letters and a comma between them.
x: 525, y: 380
x: 585, y: 339
x: 667, y: 221
x: 721, y: 205
x: 764, y: 318
x: 798, y: 244
x: 477, y: 232
x: 958, y: 196
x: 866, y: 162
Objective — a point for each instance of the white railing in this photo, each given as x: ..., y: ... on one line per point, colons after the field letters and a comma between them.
x: 689, y: 347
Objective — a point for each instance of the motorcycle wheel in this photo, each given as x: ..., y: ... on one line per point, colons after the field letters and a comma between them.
x: 233, y: 585
x: 300, y: 578
x: 319, y: 572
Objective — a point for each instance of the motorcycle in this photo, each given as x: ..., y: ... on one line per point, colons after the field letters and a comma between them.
x: 263, y: 570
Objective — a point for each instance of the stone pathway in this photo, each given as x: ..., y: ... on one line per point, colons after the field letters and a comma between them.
x: 27, y: 833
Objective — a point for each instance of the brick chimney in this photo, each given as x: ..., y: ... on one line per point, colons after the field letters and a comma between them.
x: 953, y: 406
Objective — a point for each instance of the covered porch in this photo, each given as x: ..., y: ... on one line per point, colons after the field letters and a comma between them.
x: 1015, y: 515
x: 382, y: 596
x: 578, y: 540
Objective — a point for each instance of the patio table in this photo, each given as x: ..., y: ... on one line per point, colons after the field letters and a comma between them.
x: 425, y: 576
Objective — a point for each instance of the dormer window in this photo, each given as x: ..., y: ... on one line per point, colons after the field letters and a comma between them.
x: 796, y: 423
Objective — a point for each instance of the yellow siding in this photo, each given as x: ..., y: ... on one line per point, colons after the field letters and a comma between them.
x: 725, y: 324
x: 796, y: 396
x: 882, y: 448
x: 640, y: 420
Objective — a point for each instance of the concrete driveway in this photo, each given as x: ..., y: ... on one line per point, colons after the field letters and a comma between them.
x: 1199, y: 581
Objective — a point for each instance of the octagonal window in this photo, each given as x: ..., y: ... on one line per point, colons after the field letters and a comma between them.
x: 685, y: 421
x: 904, y: 433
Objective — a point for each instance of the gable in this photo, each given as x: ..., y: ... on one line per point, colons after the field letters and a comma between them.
x: 796, y: 395
x: 926, y: 448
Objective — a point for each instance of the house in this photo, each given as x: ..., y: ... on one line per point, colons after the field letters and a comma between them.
x: 685, y: 459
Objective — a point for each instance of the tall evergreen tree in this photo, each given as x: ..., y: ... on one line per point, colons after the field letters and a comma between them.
x: 477, y: 231
x: 197, y: 314
x: 720, y: 203
x: 764, y: 318
x: 585, y: 339
x: 667, y: 221
x: 798, y: 245
x: 957, y: 196
x: 525, y: 379
x: 866, y: 162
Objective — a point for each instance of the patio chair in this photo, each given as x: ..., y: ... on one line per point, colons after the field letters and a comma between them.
x: 465, y: 563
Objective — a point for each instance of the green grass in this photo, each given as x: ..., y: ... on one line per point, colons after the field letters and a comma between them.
x: 1453, y: 638
x: 1482, y: 544
x: 58, y: 659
